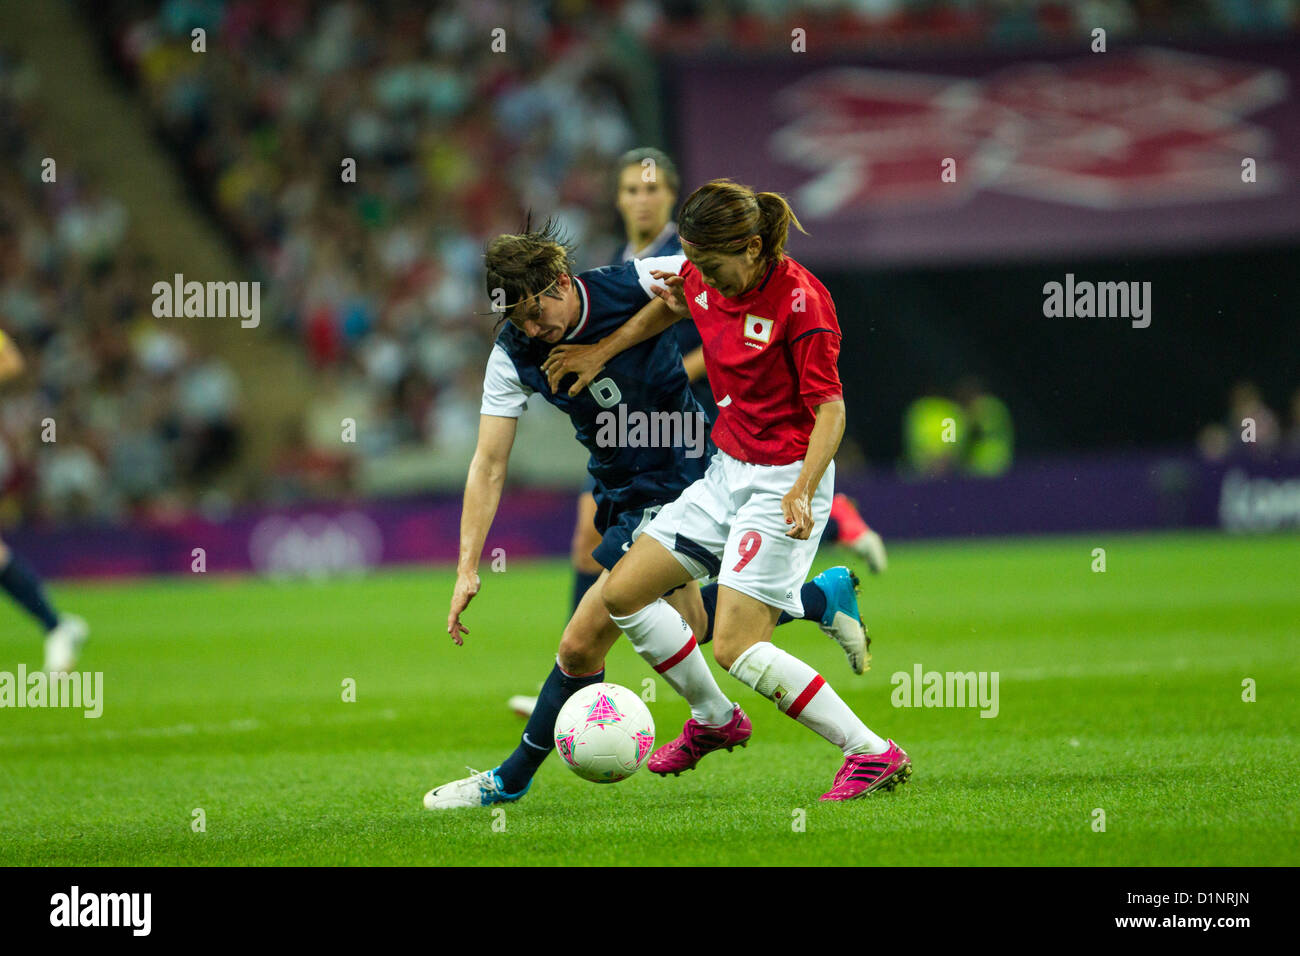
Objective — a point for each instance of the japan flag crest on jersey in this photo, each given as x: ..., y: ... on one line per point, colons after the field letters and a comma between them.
x: 758, y: 329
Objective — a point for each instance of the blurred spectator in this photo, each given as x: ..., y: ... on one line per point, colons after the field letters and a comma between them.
x: 932, y: 429
x: 303, y: 472
x: 970, y: 433
x: 1250, y: 427
x: 989, y: 439
x: 1291, y: 444
x: 207, y: 416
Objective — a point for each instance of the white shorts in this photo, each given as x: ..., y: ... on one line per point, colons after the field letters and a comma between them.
x: 729, y: 525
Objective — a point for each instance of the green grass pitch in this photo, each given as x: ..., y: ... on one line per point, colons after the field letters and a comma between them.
x: 1120, y: 691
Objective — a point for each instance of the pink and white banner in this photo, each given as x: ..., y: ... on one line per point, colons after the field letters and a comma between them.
x: 1046, y: 156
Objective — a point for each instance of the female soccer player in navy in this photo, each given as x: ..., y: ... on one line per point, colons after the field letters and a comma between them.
x: 545, y: 304
x: 64, y: 633
x: 771, y: 342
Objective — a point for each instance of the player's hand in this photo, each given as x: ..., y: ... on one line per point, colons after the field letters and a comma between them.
x: 797, y: 508
x: 672, y: 292
x: 581, y: 360
x: 467, y: 586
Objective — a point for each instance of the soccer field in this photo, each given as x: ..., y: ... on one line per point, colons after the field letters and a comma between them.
x: 1119, y: 691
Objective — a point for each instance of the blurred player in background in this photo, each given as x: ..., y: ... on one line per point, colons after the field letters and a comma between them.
x: 64, y: 634
x: 771, y: 342
x: 546, y: 304
x: 646, y: 196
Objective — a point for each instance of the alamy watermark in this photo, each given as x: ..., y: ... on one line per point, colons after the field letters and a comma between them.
x: 638, y: 429
x: 208, y: 300
x: 1101, y: 300
x: 923, y: 688
x: 75, y: 908
x: 82, y: 690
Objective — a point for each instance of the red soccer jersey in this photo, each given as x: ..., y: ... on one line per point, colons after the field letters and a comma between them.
x: 771, y: 357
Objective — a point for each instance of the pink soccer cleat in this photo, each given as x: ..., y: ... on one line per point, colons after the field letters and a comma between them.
x: 855, y: 534
x: 697, y: 740
x: 865, y: 773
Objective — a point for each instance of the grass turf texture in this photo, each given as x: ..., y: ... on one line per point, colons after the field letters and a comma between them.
x: 1119, y: 690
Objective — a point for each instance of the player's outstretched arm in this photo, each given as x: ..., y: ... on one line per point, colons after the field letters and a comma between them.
x: 823, y: 443
x: 11, y: 360
x: 487, y: 476
x: 586, y: 361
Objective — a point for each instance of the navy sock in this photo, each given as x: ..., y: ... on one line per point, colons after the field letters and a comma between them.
x: 710, y: 595
x: 25, y: 587
x: 832, y: 532
x: 539, y: 735
x: 814, y: 604
x: 582, y: 582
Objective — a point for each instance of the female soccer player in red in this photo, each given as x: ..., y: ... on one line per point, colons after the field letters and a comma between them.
x: 771, y: 341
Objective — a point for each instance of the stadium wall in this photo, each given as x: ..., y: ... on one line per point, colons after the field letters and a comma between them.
x: 1051, y: 496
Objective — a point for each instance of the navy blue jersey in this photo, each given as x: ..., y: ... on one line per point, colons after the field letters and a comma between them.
x: 668, y: 243
x: 632, y: 468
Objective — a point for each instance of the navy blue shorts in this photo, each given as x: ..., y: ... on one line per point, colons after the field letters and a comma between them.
x: 619, y: 535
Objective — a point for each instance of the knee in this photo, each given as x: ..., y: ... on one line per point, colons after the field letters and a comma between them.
x: 578, y: 653
x: 729, y: 646
x: 620, y: 597
x: 724, y: 653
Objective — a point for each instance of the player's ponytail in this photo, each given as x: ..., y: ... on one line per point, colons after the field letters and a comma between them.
x: 775, y: 219
x: 722, y: 215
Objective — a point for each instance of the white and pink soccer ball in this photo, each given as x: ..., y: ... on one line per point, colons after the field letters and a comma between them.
x: 604, y: 733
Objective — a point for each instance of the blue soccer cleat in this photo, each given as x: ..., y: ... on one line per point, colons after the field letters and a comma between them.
x: 842, y: 621
x: 481, y: 789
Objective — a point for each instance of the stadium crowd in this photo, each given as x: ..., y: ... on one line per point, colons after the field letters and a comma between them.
x: 377, y: 278
x: 115, y: 414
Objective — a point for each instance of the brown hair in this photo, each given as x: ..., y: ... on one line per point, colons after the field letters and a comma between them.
x: 526, y: 264
x: 662, y: 165
x: 721, y: 215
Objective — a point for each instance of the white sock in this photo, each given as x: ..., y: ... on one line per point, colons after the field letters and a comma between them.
x: 800, y: 692
x: 664, y: 640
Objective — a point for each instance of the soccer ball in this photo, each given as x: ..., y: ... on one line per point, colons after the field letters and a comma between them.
x: 604, y: 733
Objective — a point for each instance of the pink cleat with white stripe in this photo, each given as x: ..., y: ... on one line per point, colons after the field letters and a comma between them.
x: 696, y: 740
x: 866, y: 773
